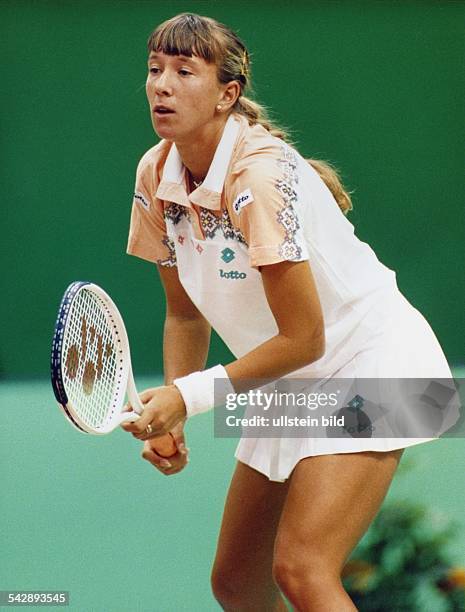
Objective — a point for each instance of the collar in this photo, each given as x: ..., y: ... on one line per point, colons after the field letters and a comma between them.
x: 208, y: 194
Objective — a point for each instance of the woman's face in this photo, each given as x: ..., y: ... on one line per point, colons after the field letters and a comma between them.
x: 182, y: 93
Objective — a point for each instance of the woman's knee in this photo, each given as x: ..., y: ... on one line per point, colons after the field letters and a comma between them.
x: 303, y: 565
x: 235, y: 590
x: 226, y: 586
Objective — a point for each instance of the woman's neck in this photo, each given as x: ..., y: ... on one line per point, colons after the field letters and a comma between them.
x: 197, y: 153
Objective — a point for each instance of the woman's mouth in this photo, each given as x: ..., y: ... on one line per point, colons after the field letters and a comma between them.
x: 161, y: 110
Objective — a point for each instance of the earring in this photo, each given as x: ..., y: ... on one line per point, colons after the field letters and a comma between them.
x: 218, y: 107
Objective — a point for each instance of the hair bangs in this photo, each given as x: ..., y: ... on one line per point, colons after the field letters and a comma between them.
x: 185, y: 35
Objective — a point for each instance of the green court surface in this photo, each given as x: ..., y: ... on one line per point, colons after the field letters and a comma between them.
x: 87, y: 515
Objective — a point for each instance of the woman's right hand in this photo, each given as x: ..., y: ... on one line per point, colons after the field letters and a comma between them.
x: 173, y: 464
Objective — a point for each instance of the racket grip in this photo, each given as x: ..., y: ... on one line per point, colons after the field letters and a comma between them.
x: 164, y: 446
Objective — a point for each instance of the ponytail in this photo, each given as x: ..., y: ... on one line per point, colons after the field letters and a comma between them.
x: 332, y: 179
x: 257, y: 114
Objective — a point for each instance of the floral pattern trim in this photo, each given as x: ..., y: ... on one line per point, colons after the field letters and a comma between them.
x: 175, y: 212
x: 287, y: 216
x: 212, y: 223
x: 170, y: 261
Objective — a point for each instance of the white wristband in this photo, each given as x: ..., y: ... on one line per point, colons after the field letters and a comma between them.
x: 198, y: 389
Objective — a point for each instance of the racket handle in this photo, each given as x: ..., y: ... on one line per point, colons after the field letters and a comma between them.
x: 164, y: 446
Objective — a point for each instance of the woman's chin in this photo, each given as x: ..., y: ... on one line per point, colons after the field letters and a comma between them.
x: 164, y: 132
x: 166, y: 137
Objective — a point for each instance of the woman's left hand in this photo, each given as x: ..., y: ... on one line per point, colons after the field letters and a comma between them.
x: 164, y: 408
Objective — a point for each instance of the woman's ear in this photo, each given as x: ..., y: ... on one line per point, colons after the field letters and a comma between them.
x: 231, y: 93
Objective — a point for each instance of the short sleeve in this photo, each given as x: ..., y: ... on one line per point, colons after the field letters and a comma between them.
x: 268, y: 211
x: 148, y: 238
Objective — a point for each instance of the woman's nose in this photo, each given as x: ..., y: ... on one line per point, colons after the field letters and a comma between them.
x: 163, y: 83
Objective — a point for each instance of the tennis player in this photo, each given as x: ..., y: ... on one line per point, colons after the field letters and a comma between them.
x: 253, y: 240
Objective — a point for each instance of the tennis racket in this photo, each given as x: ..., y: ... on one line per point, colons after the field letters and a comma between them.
x: 91, y: 365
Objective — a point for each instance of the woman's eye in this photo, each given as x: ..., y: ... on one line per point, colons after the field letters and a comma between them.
x: 153, y: 70
x: 184, y: 72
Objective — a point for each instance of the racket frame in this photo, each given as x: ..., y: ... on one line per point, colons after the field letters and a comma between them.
x: 125, y: 381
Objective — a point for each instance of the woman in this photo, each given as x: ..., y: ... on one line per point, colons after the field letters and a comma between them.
x: 252, y: 240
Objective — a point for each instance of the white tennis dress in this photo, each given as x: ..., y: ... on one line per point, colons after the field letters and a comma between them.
x: 259, y: 204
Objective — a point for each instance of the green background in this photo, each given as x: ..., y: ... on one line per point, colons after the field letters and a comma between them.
x: 374, y: 87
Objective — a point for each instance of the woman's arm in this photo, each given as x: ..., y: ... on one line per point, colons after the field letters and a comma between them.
x: 294, y: 302
x: 186, y: 341
x: 186, y: 337
x: 293, y: 299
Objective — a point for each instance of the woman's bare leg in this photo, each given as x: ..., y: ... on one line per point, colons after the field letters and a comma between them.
x: 332, y: 499
x: 242, y: 577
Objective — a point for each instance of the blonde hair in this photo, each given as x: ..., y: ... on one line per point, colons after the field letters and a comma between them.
x: 189, y: 34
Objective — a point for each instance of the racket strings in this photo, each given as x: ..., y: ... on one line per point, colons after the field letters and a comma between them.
x: 92, y: 358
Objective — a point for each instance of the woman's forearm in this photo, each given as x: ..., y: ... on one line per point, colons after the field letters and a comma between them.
x: 273, y: 359
x: 186, y: 341
x: 293, y: 298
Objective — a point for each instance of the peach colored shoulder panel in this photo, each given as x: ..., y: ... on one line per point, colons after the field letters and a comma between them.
x: 148, y: 238
x: 260, y: 197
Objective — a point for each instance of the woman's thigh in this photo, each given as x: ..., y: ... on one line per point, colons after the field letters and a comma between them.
x: 331, y: 501
x: 251, y: 515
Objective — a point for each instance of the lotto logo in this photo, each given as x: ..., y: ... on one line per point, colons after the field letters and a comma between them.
x: 234, y: 274
x: 237, y: 203
x: 227, y: 255
x: 242, y: 200
x: 140, y: 198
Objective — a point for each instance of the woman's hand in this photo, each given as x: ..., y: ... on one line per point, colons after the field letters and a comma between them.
x: 163, y: 409
x: 173, y: 464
